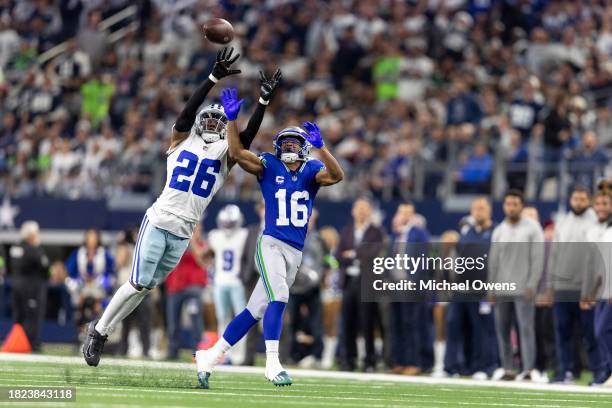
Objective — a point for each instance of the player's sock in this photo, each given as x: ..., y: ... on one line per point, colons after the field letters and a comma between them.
x: 125, y: 300
x: 238, y: 327
x: 272, y: 352
x: 273, y: 320
x: 272, y: 327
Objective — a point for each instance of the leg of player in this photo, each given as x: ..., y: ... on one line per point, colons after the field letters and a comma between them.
x: 206, y: 360
x: 150, y: 248
x: 277, y: 265
x: 272, y: 327
x: 235, y: 330
x: 122, y: 304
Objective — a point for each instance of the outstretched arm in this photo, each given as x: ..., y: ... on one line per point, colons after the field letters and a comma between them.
x: 332, y: 172
x: 237, y: 153
x: 187, y: 117
x: 267, y: 89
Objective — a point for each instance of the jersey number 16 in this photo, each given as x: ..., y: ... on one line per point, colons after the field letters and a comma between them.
x: 181, y: 174
x: 299, y: 212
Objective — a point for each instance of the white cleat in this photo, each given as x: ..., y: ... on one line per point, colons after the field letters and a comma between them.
x: 277, y: 374
x: 206, y: 360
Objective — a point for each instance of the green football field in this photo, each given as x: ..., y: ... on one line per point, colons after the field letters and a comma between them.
x: 134, y: 383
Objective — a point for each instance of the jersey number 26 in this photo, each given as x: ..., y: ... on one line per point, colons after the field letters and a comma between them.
x: 181, y: 175
x: 299, y: 212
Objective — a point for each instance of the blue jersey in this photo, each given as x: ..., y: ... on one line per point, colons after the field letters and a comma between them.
x: 288, y: 198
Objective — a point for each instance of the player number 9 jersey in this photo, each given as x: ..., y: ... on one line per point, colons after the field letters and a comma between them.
x: 288, y: 197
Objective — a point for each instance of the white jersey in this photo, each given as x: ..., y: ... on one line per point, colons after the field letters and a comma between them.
x: 195, y: 171
x: 228, y: 245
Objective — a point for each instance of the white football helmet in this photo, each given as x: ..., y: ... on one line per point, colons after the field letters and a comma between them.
x: 230, y: 217
x: 211, y: 123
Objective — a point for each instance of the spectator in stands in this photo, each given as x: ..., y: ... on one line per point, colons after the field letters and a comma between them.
x: 91, y: 38
x: 463, y: 106
x: 475, y: 173
x: 471, y: 344
x: 9, y: 40
x: 588, y: 162
x: 517, y: 162
x: 517, y: 257
x: 411, y: 326
x: 568, y: 278
x: 96, y: 95
x: 71, y: 68
x: 363, y: 54
x: 556, y: 133
x: 360, y: 242
x: 184, y: 288
x: 91, y: 268
x: 305, y: 301
x: 29, y: 282
x: 525, y: 110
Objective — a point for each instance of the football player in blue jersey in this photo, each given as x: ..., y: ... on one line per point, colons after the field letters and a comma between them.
x: 289, y: 180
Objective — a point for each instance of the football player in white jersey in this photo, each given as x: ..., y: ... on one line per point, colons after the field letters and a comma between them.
x: 227, y: 242
x: 197, y: 167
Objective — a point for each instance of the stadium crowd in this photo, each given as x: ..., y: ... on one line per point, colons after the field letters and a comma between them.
x: 417, y: 98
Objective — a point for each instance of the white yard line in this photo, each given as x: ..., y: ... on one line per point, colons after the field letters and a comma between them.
x: 296, y: 373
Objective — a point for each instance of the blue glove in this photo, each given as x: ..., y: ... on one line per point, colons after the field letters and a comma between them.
x: 314, y: 134
x: 230, y: 103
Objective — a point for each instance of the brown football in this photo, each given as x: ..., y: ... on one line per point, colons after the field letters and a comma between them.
x: 218, y: 31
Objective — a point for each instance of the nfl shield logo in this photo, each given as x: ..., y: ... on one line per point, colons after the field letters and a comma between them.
x: 294, y: 178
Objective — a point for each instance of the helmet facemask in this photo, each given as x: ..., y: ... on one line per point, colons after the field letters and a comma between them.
x: 290, y: 149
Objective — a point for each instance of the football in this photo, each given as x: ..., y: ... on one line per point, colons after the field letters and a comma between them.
x: 218, y: 31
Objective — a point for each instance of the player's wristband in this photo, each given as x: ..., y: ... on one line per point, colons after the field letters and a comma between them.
x: 213, y: 78
x: 263, y: 101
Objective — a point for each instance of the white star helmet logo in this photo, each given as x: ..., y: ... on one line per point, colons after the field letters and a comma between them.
x: 8, y: 213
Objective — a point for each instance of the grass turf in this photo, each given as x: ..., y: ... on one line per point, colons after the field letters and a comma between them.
x: 109, y: 386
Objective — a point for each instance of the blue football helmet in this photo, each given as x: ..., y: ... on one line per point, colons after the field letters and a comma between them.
x: 291, y: 145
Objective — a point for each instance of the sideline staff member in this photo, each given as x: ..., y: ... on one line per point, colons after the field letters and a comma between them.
x: 30, y: 275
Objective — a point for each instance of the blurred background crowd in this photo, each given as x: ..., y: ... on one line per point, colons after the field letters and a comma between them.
x: 418, y: 98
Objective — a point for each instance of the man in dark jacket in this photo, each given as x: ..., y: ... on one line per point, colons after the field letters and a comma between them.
x: 30, y: 266
x: 360, y: 242
x: 471, y: 345
x: 411, y: 321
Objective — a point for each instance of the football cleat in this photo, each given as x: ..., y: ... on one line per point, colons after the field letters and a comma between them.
x: 205, y: 363
x: 203, y: 380
x: 281, y: 379
x: 94, y: 345
x: 276, y: 374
